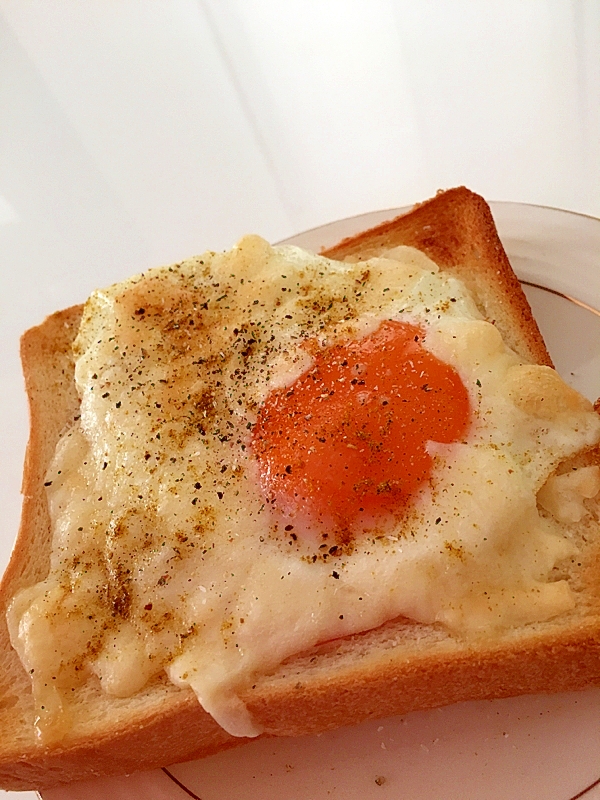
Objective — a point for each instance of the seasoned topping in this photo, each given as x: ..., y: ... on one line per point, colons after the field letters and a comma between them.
x: 348, y: 438
x: 213, y: 387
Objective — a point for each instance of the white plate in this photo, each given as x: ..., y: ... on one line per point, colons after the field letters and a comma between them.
x: 528, y: 747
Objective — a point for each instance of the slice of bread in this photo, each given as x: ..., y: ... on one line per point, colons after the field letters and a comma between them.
x: 399, y: 667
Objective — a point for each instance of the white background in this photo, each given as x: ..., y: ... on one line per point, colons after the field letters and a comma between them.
x: 138, y: 133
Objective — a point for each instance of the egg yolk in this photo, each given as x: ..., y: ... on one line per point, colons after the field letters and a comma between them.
x: 347, y: 440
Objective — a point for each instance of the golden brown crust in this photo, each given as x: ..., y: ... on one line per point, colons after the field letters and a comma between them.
x: 45, y: 355
x: 174, y: 733
x: 457, y: 231
x: 398, y: 668
x: 423, y: 675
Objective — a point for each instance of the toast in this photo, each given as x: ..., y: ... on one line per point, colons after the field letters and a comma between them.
x: 396, y: 668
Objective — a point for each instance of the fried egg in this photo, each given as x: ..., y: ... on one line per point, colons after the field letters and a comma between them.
x: 275, y: 450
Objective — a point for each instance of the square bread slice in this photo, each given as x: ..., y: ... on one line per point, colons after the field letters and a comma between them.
x: 397, y: 668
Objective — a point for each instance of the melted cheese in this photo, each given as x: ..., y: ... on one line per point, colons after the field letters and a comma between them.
x: 165, y: 555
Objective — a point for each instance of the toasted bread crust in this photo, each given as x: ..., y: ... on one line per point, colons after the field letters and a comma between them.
x: 457, y: 231
x: 45, y: 354
x: 398, y: 668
